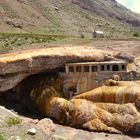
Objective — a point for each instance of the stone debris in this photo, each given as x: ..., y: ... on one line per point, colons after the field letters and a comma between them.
x: 32, y: 131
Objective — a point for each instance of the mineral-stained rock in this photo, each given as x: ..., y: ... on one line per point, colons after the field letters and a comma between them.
x: 14, y: 67
x: 101, y: 117
x: 94, y: 117
x: 113, y: 94
x: 80, y: 113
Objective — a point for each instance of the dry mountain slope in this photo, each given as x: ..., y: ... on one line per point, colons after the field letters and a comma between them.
x: 72, y: 17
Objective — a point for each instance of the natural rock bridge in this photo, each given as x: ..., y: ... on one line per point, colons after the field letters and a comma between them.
x: 14, y: 67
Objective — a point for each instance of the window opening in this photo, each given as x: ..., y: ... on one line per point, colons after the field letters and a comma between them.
x: 102, y: 67
x: 94, y: 68
x: 115, y: 68
x: 71, y: 69
x: 108, y: 67
x: 78, y: 69
x: 123, y: 67
x: 86, y: 68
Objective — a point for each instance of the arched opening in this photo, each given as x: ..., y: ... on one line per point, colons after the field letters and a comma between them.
x: 123, y: 67
x: 115, y: 68
x: 22, y: 97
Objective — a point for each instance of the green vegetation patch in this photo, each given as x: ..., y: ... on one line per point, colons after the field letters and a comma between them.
x: 13, y: 121
x: 136, y: 34
x: 15, y: 41
x: 2, y: 137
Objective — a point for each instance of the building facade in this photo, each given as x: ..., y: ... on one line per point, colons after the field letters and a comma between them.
x: 98, y: 34
x: 81, y: 77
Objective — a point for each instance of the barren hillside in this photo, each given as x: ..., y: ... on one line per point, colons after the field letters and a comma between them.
x: 73, y: 17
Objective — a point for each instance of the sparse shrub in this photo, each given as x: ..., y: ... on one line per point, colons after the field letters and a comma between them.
x: 2, y: 137
x: 82, y: 36
x: 136, y: 34
x: 13, y: 121
x: 10, y: 41
x: 6, y: 44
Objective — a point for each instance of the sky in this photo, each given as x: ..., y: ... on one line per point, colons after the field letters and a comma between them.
x: 134, y: 5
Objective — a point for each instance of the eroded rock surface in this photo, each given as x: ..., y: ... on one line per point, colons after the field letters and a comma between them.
x: 100, y: 114
x: 81, y: 113
x: 113, y: 94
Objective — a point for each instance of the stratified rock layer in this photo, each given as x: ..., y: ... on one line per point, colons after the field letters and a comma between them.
x: 113, y: 94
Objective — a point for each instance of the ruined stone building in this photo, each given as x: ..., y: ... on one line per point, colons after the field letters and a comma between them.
x: 98, y: 34
x: 82, y: 77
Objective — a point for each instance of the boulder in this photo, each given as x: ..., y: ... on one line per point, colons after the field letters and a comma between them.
x: 32, y: 131
x: 46, y: 126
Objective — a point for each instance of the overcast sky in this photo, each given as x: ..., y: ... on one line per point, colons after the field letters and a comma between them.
x: 134, y: 5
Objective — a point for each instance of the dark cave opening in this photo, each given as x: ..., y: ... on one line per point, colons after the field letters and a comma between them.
x: 19, y: 98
